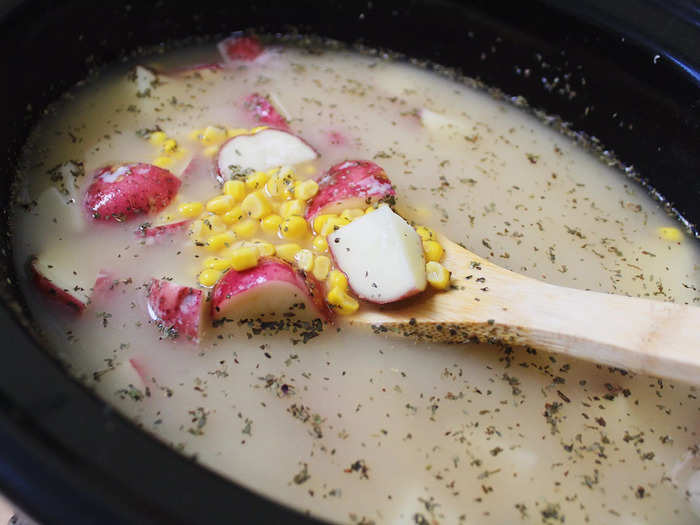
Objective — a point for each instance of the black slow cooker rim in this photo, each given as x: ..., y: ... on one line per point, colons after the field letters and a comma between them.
x: 67, y: 457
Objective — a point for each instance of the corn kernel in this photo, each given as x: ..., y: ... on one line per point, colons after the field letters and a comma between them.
x: 271, y: 224
x: 234, y: 132
x: 438, y: 276
x: 671, y: 234
x: 433, y: 250
x: 210, y: 151
x: 232, y: 216
x: 351, y: 214
x: 320, y: 221
x: 332, y: 225
x: 157, y: 138
x: 216, y: 263
x: 426, y: 233
x: 209, y: 277
x: 322, y: 265
x: 235, y: 188
x: 305, y: 189
x: 287, y: 251
x: 294, y: 227
x: 198, y: 231
x: 293, y: 207
x: 337, y: 279
x: 169, y: 146
x: 213, y: 224
x: 343, y: 303
x: 320, y: 244
x: 256, y: 180
x: 244, y: 258
x: 265, y: 249
x: 191, y: 209
x: 213, y: 135
x: 220, y: 240
x: 369, y: 210
x: 163, y: 162
x: 255, y: 205
x: 220, y: 204
x: 304, y: 259
x: 196, y: 134
x: 246, y: 228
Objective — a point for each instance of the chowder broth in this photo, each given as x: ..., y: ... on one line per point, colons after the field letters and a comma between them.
x: 347, y: 425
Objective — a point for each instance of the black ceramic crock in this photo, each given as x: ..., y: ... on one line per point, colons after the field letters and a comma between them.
x: 65, y: 456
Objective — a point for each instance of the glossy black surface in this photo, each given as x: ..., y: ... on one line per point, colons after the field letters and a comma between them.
x: 64, y: 455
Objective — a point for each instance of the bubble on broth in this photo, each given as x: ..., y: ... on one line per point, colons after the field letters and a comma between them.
x: 382, y: 429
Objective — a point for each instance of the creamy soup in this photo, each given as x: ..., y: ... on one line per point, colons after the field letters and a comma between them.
x: 341, y: 423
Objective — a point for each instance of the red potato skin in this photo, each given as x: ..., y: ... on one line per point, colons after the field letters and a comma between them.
x: 262, y: 112
x: 351, y: 179
x: 48, y: 288
x: 141, y: 189
x: 158, y: 233
x: 140, y: 369
x: 269, y: 269
x: 176, y: 307
x: 243, y: 48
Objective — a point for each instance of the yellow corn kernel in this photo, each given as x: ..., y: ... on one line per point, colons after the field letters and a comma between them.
x: 256, y: 180
x: 232, y: 216
x: 332, y: 225
x: 337, y: 279
x: 220, y: 204
x: 433, y: 250
x: 235, y: 188
x: 213, y: 224
x: 210, y: 151
x: 169, y: 146
x: 294, y: 227
x: 157, y: 138
x: 287, y: 251
x: 320, y: 244
x: 271, y: 224
x: 320, y: 221
x: 209, y: 277
x: 304, y: 259
x: 253, y: 131
x: 305, y: 189
x: 198, y: 231
x: 293, y: 207
x: 246, y: 228
x: 351, y: 214
x: 438, y: 276
x: 322, y: 265
x: 255, y: 205
x: 279, y: 185
x: 369, y: 210
x: 342, y: 302
x: 191, y: 209
x: 163, y: 162
x: 426, y: 233
x: 244, y: 258
x: 220, y: 240
x: 671, y: 234
x: 195, y: 134
x: 213, y: 135
x: 265, y: 249
x: 216, y: 263
x: 234, y: 132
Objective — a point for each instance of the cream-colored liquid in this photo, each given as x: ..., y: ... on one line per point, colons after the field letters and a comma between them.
x: 449, y: 433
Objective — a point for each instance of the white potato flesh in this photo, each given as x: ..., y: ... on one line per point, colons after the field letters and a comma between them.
x: 262, y: 151
x: 381, y: 255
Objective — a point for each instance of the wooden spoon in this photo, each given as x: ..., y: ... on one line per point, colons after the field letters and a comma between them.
x: 490, y: 303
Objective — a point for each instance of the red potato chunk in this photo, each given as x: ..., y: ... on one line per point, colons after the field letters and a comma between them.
x: 176, y: 309
x: 60, y: 285
x: 271, y: 288
x: 262, y: 112
x: 240, y: 48
x: 121, y: 193
x: 350, y: 184
x: 155, y: 234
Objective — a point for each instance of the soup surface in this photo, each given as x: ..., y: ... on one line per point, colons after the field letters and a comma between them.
x: 344, y: 424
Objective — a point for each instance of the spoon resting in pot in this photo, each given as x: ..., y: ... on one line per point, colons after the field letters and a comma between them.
x: 489, y: 303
